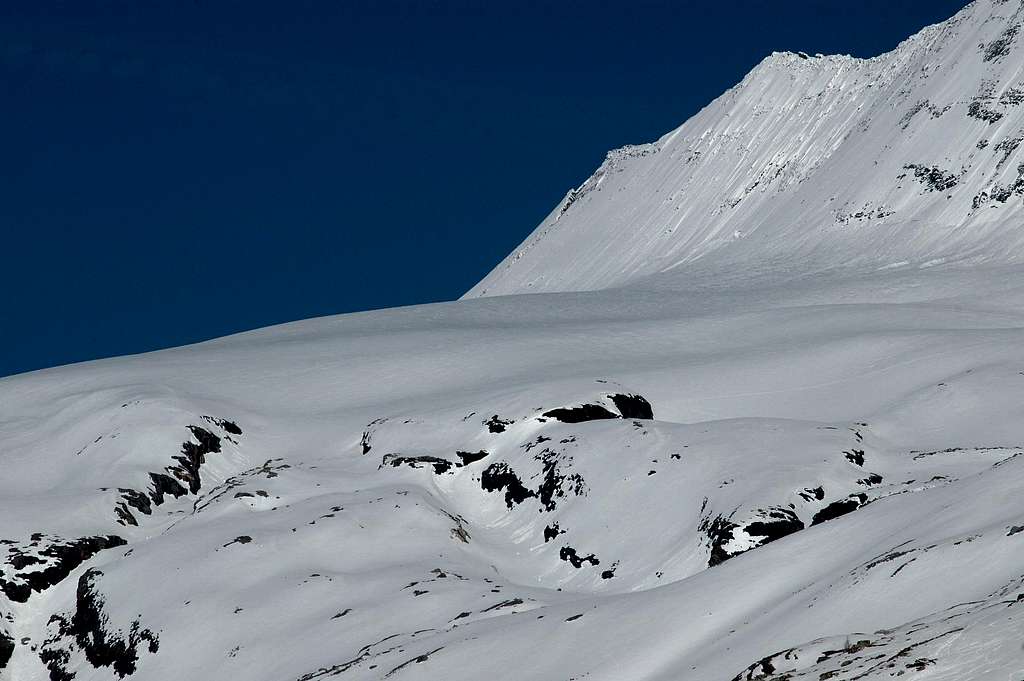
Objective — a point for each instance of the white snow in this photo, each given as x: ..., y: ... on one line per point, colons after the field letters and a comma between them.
x: 815, y: 162
x: 829, y: 488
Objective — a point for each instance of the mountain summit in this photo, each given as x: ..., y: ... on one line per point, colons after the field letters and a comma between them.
x: 811, y: 163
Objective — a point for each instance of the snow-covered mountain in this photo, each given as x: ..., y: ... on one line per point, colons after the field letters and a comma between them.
x: 811, y: 163
x: 777, y: 433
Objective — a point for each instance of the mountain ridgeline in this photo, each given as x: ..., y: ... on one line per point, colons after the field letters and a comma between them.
x: 813, y: 162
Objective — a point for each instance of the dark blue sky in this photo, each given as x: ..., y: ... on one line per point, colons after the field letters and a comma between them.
x: 177, y: 171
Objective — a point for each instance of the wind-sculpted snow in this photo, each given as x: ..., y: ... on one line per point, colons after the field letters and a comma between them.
x: 955, y: 642
x: 645, y: 487
x: 810, y: 163
x: 588, y: 469
x: 780, y: 470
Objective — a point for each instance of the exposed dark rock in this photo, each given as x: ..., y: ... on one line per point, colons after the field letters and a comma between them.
x: 88, y: 630
x: 771, y: 524
x: 848, y: 649
x: 1007, y: 147
x: 812, y: 494
x: 471, y: 457
x: 839, y: 508
x: 530, y: 445
x: 499, y: 476
x: 60, y: 557
x: 873, y: 479
x: 438, y: 464
x: 268, y: 469
x: 173, y: 480
x: 555, y: 483
x: 496, y: 424
x: 633, y: 406
x: 924, y: 105
x: 366, y: 441
x: 586, y: 412
x: 1013, y: 96
x: 229, y: 427
x: 933, y: 178
x: 134, y: 499
x: 719, y: 532
x: 778, y: 523
x: 864, y: 214
x: 1002, y: 45
x: 459, y: 532
x: 504, y: 604
x: 762, y: 669
x: 57, y: 661
x: 124, y: 516
x: 6, y: 649
x: 22, y: 561
x: 569, y: 555
x: 164, y: 485
x: 978, y: 110
x: 417, y: 660
x: 551, y: 532
x: 193, y: 455
x: 1001, y: 193
x: 855, y: 456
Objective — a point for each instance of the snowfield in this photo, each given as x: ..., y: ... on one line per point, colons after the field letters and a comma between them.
x: 797, y: 453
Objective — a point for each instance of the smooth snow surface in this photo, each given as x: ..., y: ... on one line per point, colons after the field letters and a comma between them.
x: 751, y: 445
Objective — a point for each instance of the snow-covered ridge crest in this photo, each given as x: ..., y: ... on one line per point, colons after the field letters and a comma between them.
x: 812, y: 163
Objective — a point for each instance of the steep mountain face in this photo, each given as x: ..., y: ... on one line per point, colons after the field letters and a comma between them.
x: 791, y: 457
x: 908, y: 159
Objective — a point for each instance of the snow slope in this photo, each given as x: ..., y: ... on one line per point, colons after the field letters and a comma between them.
x: 811, y: 163
x: 806, y: 467
x: 422, y: 492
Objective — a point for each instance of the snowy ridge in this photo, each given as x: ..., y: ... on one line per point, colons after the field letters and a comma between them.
x: 806, y: 466
x: 812, y: 163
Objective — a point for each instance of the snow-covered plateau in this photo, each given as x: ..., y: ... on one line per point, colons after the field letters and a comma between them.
x: 749, y: 404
